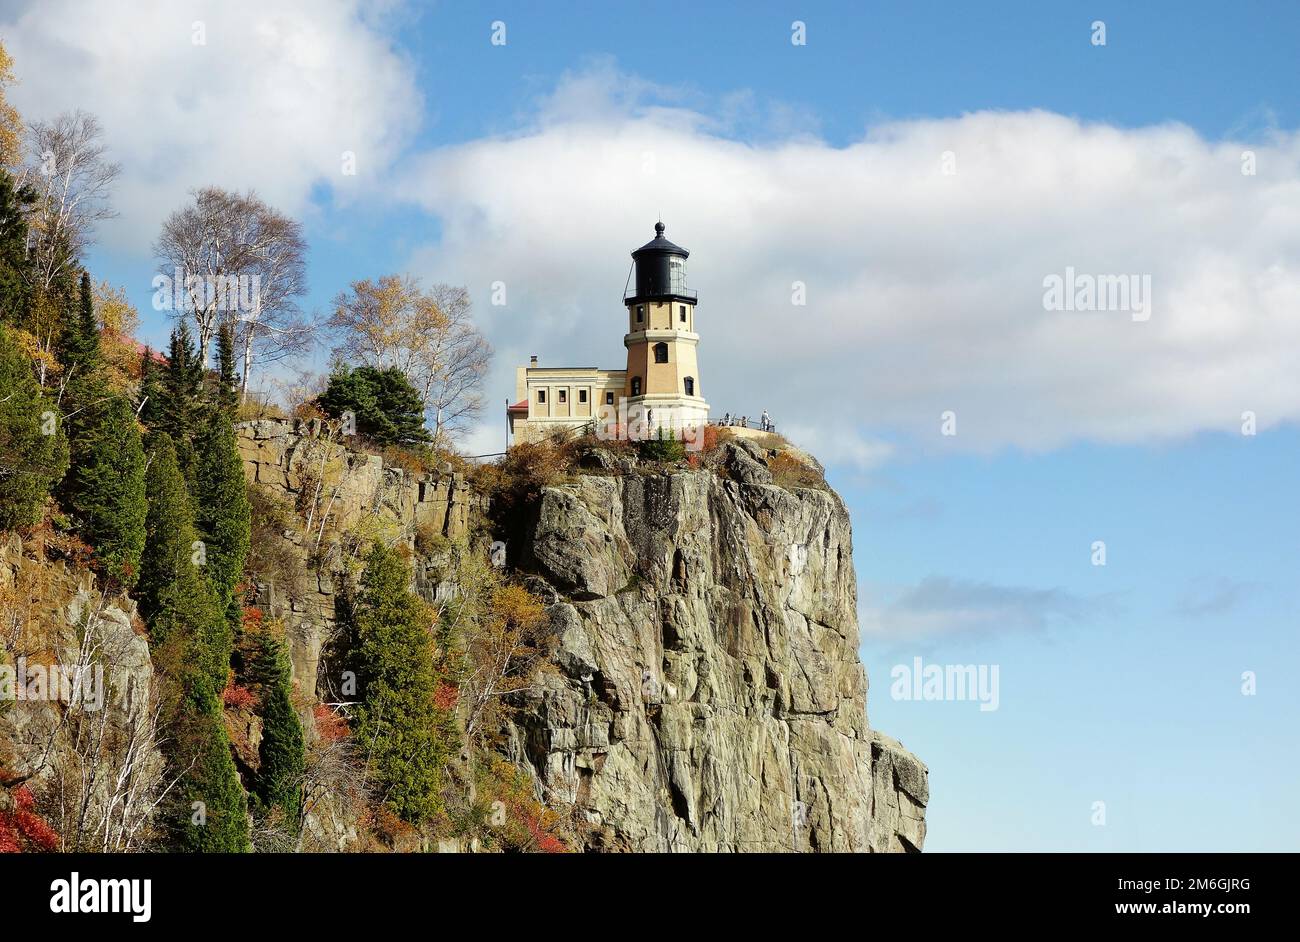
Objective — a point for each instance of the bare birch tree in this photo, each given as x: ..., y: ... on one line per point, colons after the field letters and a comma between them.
x: 237, y: 260
x: 72, y: 177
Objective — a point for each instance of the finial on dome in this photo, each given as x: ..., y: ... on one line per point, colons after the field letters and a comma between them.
x: 659, y: 230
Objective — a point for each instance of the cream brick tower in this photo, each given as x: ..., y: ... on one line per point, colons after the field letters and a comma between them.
x: 663, y: 375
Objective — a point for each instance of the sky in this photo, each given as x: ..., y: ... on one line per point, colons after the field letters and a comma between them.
x: 921, y: 171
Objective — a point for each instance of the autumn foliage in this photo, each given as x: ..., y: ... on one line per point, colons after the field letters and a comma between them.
x: 516, y: 821
x: 238, y: 698
x: 22, y: 829
x: 330, y: 726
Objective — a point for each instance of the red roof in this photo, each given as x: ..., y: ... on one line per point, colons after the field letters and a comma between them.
x: 520, y: 406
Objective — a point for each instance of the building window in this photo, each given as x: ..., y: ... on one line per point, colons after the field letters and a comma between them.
x: 609, y: 398
x: 690, y: 385
x: 636, y: 385
x: 661, y: 353
x: 564, y: 396
x: 676, y: 275
x: 541, y: 395
x: 582, y: 395
x: 640, y: 313
x: 681, y: 309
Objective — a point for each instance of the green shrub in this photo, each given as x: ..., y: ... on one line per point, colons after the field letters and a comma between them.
x: 665, y: 446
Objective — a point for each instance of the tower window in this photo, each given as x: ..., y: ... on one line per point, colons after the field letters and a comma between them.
x: 636, y: 385
x: 640, y: 313
x: 564, y: 396
x: 661, y: 353
x: 676, y: 275
x: 681, y: 308
x: 582, y: 395
x: 690, y: 385
x: 541, y: 395
x: 609, y: 398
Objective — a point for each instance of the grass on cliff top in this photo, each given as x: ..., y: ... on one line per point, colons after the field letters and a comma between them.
x: 527, y: 467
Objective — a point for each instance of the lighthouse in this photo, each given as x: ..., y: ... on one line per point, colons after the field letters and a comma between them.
x: 660, y: 389
x: 663, y: 375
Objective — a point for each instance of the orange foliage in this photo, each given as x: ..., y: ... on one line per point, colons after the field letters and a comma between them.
x: 789, y: 471
x: 528, y: 825
x: 330, y: 726
x: 446, y: 696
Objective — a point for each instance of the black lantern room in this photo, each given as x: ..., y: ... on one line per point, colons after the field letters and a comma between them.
x: 660, y: 271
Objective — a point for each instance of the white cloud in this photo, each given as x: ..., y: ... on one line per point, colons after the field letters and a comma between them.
x: 942, y: 608
x: 271, y: 101
x: 925, y: 291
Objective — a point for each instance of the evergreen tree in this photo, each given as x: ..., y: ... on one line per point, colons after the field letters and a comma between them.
x: 181, y: 399
x: 80, y: 354
x: 15, y: 290
x: 187, y: 629
x: 387, y: 407
x: 149, y: 400
x: 209, y: 813
x: 105, y: 492
x: 33, y: 451
x: 175, y: 597
x: 226, y: 398
x: 397, y: 721
x: 222, y: 512
x: 280, y: 773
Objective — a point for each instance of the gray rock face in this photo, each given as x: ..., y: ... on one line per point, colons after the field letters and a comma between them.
x: 283, y: 457
x: 61, y: 621
x: 707, y: 694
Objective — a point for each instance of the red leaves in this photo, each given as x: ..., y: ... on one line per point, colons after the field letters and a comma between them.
x: 23, y: 829
x: 330, y: 726
x: 238, y: 698
x: 446, y: 696
x: 546, y: 843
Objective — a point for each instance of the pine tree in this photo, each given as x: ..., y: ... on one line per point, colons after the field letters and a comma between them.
x: 106, y: 487
x: 397, y: 721
x: 15, y: 286
x: 80, y: 354
x: 222, y: 512
x: 280, y: 774
x: 209, y: 813
x: 188, y: 630
x: 182, y: 391
x: 175, y: 597
x: 149, y: 401
x: 33, y: 451
x: 386, y: 406
x: 226, y: 397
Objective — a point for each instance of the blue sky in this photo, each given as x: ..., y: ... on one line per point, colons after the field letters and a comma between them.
x: 543, y: 162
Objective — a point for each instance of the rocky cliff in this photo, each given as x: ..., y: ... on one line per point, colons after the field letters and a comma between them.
x: 709, y: 695
x: 706, y: 692
x: 78, y: 699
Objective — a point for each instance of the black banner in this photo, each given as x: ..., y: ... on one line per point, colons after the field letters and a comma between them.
x: 145, y: 892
